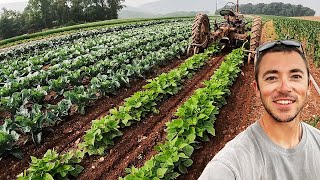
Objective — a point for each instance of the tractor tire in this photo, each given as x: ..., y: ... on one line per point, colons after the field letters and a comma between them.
x: 255, y: 33
x: 255, y: 36
x: 201, y: 31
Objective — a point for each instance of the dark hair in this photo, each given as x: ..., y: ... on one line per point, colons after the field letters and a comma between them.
x: 279, y: 48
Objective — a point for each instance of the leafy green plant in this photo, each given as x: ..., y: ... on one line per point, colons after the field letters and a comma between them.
x: 31, y: 121
x: 80, y: 97
x: 98, y: 138
x: 308, y: 32
x: 194, y: 122
x: 7, y: 140
x: 54, y: 166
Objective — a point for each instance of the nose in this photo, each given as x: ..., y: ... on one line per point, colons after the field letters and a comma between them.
x: 285, y: 85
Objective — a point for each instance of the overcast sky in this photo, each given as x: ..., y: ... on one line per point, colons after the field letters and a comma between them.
x: 313, y: 4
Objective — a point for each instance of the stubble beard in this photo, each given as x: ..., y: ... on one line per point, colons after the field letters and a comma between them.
x: 277, y: 118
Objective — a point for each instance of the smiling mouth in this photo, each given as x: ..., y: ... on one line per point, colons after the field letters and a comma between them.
x: 284, y: 102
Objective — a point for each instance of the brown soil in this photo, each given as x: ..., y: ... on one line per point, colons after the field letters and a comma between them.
x: 268, y: 33
x: 136, y: 145
x: 138, y: 139
x: 68, y: 132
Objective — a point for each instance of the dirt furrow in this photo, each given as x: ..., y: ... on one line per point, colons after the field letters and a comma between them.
x: 232, y: 119
x: 136, y: 145
x: 68, y: 132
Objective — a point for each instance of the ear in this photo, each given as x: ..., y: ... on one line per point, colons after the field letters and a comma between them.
x: 254, y: 85
x: 309, y: 88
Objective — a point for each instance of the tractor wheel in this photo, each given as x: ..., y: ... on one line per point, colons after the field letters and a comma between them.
x: 255, y: 35
x: 201, y: 31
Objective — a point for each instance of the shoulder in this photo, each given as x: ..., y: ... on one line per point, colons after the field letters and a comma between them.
x: 218, y: 170
x: 242, y: 153
x: 245, y: 142
x: 312, y: 131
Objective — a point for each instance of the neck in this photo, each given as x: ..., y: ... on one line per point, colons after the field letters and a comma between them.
x: 284, y: 134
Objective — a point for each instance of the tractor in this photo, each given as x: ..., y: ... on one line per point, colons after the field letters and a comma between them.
x: 232, y: 32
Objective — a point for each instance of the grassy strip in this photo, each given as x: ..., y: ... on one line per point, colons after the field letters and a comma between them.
x: 43, y: 34
x: 100, y: 136
x: 194, y: 122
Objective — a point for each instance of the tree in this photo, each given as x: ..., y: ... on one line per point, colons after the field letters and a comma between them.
x: 96, y: 10
x: 113, y: 7
x: 11, y: 23
x: 39, y: 14
x: 77, y: 10
x: 277, y: 9
x: 61, y: 12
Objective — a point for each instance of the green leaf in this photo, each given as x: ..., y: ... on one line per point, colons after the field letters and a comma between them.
x: 187, y: 162
x: 182, y: 169
x: 188, y: 150
x: 161, y: 172
x: 47, y: 176
x: 78, y: 169
x: 211, y: 130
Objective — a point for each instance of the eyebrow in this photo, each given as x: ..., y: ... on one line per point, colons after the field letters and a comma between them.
x: 270, y: 72
x: 296, y: 70
x: 276, y: 71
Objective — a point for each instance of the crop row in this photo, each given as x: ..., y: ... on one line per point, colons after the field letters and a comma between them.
x: 41, y: 47
x: 106, y: 76
x: 72, y: 71
x: 32, y: 119
x: 69, y: 55
x: 103, y: 131
x: 303, y: 30
x: 194, y: 122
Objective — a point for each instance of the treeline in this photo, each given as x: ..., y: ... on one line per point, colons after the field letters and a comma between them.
x: 276, y: 9
x: 42, y: 14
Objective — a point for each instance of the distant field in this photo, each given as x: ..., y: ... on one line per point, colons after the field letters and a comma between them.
x: 70, y: 29
x: 310, y: 18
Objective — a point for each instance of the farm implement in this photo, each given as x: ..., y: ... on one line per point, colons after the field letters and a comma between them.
x: 233, y: 32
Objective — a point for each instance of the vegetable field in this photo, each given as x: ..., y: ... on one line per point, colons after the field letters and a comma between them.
x: 125, y: 102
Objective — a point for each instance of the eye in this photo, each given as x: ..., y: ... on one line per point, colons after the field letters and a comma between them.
x: 270, y: 78
x: 296, y: 76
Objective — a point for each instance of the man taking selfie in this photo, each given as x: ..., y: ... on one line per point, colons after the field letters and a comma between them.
x: 278, y: 145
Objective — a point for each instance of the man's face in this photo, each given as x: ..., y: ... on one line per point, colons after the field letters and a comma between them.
x: 283, y: 83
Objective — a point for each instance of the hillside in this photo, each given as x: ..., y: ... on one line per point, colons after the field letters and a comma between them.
x: 133, y: 12
x: 168, y: 6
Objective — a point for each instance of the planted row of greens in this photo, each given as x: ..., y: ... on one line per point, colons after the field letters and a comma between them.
x: 106, y: 76
x: 68, y: 56
x: 41, y: 47
x: 194, y: 122
x: 302, y: 30
x: 64, y: 54
x: 33, y: 118
x: 103, y: 131
x: 73, y: 71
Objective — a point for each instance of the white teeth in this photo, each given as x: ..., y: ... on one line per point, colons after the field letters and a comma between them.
x: 284, y: 102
